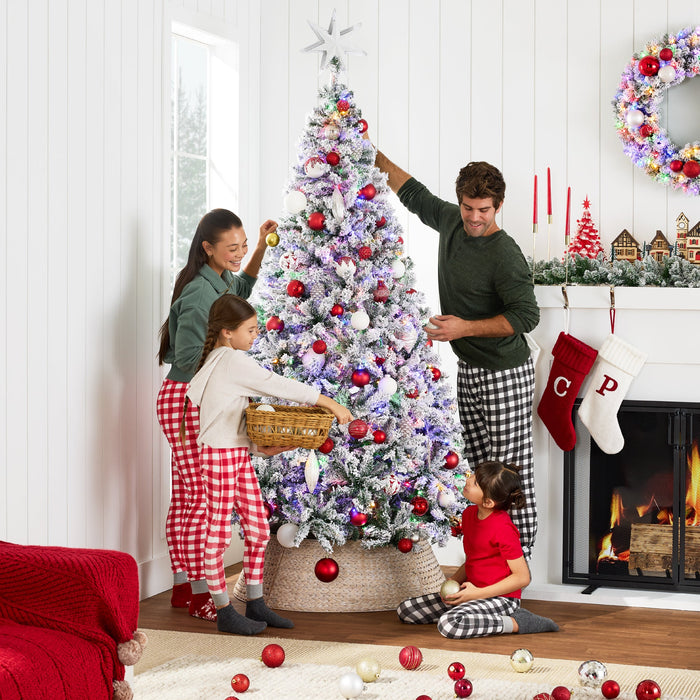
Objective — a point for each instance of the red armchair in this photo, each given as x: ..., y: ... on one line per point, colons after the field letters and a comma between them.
x: 67, y: 622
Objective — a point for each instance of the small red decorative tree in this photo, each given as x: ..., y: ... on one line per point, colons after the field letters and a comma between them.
x: 586, y: 241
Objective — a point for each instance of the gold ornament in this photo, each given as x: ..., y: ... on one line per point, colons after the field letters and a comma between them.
x: 368, y: 669
x: 449, y: 588
x: 521, y: 660
x: 272, y: 239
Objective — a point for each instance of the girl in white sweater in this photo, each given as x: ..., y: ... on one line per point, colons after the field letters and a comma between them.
x: 227, y: 377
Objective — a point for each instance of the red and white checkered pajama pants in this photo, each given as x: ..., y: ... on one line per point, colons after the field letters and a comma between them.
x: 230, y: 484
x: 185, y: 525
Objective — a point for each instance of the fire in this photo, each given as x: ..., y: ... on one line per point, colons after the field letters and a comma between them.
x: 607, y: 551
x: 692, y: 496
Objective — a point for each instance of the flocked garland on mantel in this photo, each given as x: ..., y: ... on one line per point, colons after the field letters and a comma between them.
x: 643, y: 86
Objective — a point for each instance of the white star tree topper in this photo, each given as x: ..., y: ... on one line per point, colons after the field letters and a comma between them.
x: 330, y: 46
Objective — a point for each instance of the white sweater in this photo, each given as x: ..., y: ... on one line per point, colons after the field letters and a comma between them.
x: 222, y: 388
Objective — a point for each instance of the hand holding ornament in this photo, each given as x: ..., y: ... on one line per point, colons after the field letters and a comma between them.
x: 445, y: 328
x: 266, y: 228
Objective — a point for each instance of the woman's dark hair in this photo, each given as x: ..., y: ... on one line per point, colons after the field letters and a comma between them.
x: 500, y: 482
x: 209, y: 229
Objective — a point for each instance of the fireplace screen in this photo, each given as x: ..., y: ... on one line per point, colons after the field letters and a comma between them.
x: 633, y: 519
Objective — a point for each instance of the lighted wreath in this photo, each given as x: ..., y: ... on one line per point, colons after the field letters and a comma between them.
x: 643, y: 86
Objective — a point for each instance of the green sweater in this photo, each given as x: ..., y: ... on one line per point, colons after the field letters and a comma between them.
x: 189, y: 317
x: 478, y: 277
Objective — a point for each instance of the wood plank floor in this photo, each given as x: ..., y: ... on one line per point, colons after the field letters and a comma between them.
x: 611, y: 634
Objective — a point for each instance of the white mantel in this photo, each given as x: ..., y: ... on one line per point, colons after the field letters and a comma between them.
x: 663, y: 322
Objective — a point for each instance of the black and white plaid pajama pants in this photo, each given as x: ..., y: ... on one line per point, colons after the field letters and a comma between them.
x: 495, y: 409
x: 477, y: 618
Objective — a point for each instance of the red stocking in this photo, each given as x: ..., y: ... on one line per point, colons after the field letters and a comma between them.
x: 573, y: 360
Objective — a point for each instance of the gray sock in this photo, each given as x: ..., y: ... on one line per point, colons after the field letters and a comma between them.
x: 529, y: 623
x: 199, y: 587
x: 179, y: 577
x: 228, y: 620
x: 253, y: 591
x: 508, y: 625
x: 220, y: 599
x: 258, y: 610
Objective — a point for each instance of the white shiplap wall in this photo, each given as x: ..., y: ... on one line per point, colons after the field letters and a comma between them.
x: 84, y: 87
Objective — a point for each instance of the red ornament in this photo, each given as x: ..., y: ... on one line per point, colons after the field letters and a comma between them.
x: 410, y: 658
x: 272, y: 655
x: 404, y: 545
x: 295, y: 288
x: 368, y: 191
x: 364, y: 253
x: 456, y: 530
x: 379, y: 436
x: 380, y: 223
x: 648, y: 690
x: 274, y: 323
x: 337, y: 310
x: 268, y: 510
x: 649, y: 66
x: 380, y: 360
x: 410, y: 291
x: 666, y: 54
x: 381, y: 293
x: 400, y: 239
x: 342, y: 105
x: 456, y: 670
x: 561, y: 693
x: 429, y: 343
x: 358, y: 428
x: 363, y: 125
x: 240, y: 682
x: 316, y: 221
x: 420, y: 505
x: 676, y: 165
x: 319, y: 347
x: 610, y: 689
x: 413, y: 394
x: 332, y: 158
x: 451, y: 460
x: 424, y: 697
x: 691, y: 169
x: 327, y: 446
x: 646, y: 130
x: 436, y: 373
x: 326, y: 570
x: 543, y: 696
x: 463, y: 688
x: 358, y: 519
x: 360, y: 377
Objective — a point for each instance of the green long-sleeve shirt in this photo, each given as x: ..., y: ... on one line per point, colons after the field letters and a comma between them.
x: 478, y: 278
x: 189, y: 317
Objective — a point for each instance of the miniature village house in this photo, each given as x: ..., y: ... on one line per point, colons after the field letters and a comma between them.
x: 687, y: 240
x: 625, y: 247
x: 659, y: 248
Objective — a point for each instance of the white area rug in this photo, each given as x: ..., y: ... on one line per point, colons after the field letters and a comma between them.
x: 313, y: 669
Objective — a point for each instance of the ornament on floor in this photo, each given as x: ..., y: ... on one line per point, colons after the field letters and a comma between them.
x: 286, y: 534
x: 240, y: 683
x: 311, y: 471
x: 449, y: 588
x: 456, y: 670
x: 543, y: 696
x: 368, y: 669
x: 410, y: 658
x: 295, y: 202
x: 350, y: 685
x: 648, y: 690
x: 424, y: 697
x: 326, y: 570
x: 610, y: 689
x: 463, y: 688
x: 561, y: 693
x: 404, y: 545
x: 521, y: 660
x: 272, y: 655
x: 638, y: 100
x: 591, y: 674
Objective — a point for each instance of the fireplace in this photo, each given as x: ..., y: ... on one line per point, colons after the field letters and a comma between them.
x: 632, y: 519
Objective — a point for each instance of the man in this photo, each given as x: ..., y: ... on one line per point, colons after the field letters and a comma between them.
x: 488, y: 303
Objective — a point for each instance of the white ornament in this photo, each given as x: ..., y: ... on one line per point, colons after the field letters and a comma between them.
x: 331, y: 132
x: 345, y: 267
x: 295, y: 202
x: 329, y: 43
x: 406, y: 337
x: 667, y: 74
x: 288, y: 261
x: 265, y: 407
x: 391, y: 485
x: 398, y: 269
x: 311, y: 471
x: 337, y: 205
x: 350, y: 685
x: 313, y: 361
x: 635, y: 117
x: 359, y: 320
x: 446, y: 499
x: 315, y: 167
x: 387, y: 385
x: 287, y: 534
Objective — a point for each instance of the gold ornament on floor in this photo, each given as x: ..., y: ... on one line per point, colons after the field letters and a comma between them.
x: 368, y: 669
x: 521, y: 660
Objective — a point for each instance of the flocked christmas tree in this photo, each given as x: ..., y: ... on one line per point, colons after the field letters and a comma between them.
x: 336, y: 295
x: 587, y: 240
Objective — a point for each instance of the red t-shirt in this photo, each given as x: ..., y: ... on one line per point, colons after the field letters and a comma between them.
x: 488, y: 544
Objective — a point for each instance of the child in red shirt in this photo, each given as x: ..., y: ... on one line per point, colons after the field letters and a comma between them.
x: 495, y: 570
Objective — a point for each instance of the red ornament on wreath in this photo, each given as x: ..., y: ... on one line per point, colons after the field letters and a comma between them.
x: 404, y: 545
x: 319, y: 347
x: 316, y: 221
x: 561, y: 693
x: 337, y: 310
x: 272, y: 655
x: 410, y: 658
x: 379, y: 436
x: 463, y: 688
x: 295, y: 288
x: 691, y: 169
x: 364, y: 253
x: 646, y: 130
x: 240, y: 683
x: 358, y: 428
x: 610, y: 689
x: 648, y: 66
x: 676, y: 165
x: 360, y: 377
x: 666, y: 54
x: 274, y: 323
x: 326, y: 570
x: 420, y: 505
x: 648, y: 690
x: 332, y: 158
x: 363, y: 125
x: 327, y: 446
x: 456, y: 670
x: 451, y: 460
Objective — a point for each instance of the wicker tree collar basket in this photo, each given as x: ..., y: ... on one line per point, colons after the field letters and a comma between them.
x: 288, y: 426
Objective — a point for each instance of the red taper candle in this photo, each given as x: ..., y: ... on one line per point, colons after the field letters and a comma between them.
x: 568, y: 215
x: 534, y: 208
x: 549, y: 196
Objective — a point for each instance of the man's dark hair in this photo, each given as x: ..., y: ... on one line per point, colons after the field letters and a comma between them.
x: 480, y: 180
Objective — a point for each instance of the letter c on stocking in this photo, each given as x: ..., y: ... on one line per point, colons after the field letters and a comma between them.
x: 557, y: 382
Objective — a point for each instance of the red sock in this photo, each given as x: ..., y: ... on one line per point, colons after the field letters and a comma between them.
x: 573, y: 360
x: 181, y: 595
x: 202, y: 606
